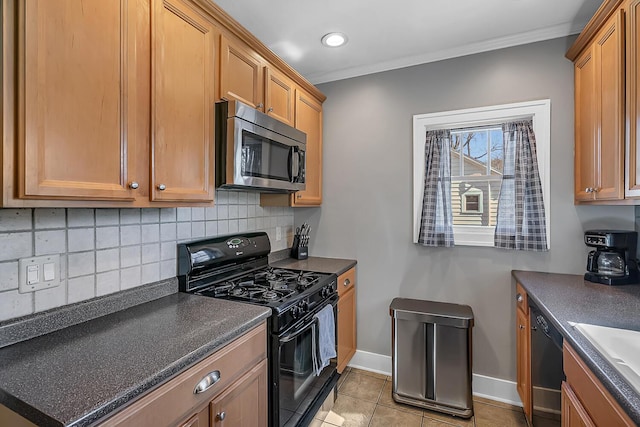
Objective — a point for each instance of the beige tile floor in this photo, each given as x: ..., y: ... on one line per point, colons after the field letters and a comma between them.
x: 364, y: 400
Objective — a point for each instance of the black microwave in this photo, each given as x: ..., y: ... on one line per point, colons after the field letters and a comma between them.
x: 257, y: 152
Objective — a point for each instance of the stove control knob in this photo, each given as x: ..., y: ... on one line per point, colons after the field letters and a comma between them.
x: 295, y: 312
x: 303, y: 306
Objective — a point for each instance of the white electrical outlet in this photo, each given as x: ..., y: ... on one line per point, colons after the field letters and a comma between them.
x: 278, y: 234
x: 38, y: 273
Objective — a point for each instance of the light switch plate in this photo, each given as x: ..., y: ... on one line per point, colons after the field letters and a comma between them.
x: 40, y: 272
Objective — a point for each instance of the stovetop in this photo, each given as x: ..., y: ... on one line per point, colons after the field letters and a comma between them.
x: 268, y: 286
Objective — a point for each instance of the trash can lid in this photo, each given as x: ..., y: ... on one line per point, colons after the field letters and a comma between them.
x: 444, y: 313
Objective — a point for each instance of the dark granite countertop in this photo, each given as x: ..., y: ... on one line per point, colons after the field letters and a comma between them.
x: 319, y: 264
x: 79, y: 374
x: 569, y: 298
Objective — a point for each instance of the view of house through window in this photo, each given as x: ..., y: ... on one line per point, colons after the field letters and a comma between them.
x: 476, y: 174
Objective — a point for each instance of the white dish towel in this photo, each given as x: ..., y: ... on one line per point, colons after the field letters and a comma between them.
x: 324, y: 341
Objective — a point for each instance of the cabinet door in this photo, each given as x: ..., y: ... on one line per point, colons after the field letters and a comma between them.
x: 633, y: 99
x: 201, y: 419
x: 279, y: 96
x: 309, y: 120
x: 523, y: 362
x: 77, y: 99
x: 573, y: 413
x: 183, y: 67
x: 244, y: 403
x: 609, y: 55
x: 240, y: 74
x: 346, y: 328
x: 585, y: 125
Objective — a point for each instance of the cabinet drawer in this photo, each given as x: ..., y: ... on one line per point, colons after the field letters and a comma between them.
x: 173, y: 401
x: 522, y: 302
x: 346, y: 281
x: 600, y: 405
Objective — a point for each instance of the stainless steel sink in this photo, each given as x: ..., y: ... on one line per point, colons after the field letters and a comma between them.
x: 621, y: 347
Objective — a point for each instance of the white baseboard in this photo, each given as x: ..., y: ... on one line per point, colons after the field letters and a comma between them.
x: 482, y: 385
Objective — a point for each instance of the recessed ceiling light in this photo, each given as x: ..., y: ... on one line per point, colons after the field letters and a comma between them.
x: 334, y: 39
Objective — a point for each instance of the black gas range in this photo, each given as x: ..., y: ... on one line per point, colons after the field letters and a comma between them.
x: 236, y: 268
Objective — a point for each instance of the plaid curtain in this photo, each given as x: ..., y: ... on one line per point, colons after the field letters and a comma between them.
x: 520, y: 221
x: 436, y: 225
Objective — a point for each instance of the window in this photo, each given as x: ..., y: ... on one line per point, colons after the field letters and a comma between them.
x: 476, y: 164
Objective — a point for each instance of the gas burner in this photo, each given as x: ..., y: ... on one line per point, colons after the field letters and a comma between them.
x: 269, y: 295
x: 278, y: 284
x: 238, y: 291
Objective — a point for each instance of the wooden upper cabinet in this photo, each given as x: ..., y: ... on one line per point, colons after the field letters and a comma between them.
x: 633, y: 99
x: 183, y: 83
x: 279, y: 96
x: 585, y: 125
x: 309, y: 120
x: 241, y: 74
x: 76, y: 99
x: 609, y: 51
x: 600, y: 114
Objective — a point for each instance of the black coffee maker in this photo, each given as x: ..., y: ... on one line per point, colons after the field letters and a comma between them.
x: 614, y: 260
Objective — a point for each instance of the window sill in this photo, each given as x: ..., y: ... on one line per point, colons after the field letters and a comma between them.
x: 468, y: 235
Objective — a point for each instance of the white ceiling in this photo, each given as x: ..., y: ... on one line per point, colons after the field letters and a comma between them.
x: 384, y: 35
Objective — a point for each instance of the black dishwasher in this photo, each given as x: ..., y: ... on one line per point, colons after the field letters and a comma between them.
x: 546, y: 369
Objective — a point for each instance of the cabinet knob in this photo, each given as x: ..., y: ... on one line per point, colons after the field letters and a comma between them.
x: 595, y: 190
x: 347, y: 282
x: 259, y: 106
x: 133, y: 185
x: 162, y: 187
x: 221, y: 416
x: 588, y: 190
x: 299, y: 196
x: 270, y: 109
x: 519, y: 298
x: 521, y: 326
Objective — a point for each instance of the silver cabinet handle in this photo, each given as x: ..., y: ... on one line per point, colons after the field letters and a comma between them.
x: 261, y: 105
x: 133, y: 185
x: 521, y: 326
x: 347, y: 282
x: 162, y: 187
x: 270, y: 109
x: 519, y: 298
x: 587, y: 190
x: 221, y: 416
x: 209, y: 380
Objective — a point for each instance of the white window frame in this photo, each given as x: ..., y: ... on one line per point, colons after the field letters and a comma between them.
x: 539, y: 111
x: 472, y: 192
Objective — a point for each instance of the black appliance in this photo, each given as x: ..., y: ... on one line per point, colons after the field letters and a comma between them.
x: 256, y: 151
x: 613, y: 262
x: 546, y: 369
x: 236, y: 268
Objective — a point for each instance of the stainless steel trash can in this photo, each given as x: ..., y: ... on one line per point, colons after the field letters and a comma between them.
x: 431, y: 353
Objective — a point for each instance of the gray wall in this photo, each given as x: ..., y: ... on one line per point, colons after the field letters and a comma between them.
x: 366, y: 210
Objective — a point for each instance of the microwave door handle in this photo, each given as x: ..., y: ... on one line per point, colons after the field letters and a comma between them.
x: 294, y: 163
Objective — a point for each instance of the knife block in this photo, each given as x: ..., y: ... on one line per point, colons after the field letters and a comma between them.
x: 298, y: 250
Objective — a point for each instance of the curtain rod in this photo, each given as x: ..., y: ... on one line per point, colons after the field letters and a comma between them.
x: 478, y: 124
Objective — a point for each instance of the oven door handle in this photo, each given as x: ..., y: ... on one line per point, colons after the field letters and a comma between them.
x: 293, y: 335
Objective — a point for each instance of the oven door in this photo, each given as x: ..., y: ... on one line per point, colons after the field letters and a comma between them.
x: 299, y: 389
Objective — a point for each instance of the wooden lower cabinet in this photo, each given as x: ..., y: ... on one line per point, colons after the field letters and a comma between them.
x: 523, y: 353
x: 346, y: 318
x: 238, y: 397
x: 573, y: 413
x: 244, y: 404
x: 595, y: 402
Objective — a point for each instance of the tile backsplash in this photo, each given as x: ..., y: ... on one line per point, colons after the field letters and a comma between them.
x: 106, y: 250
